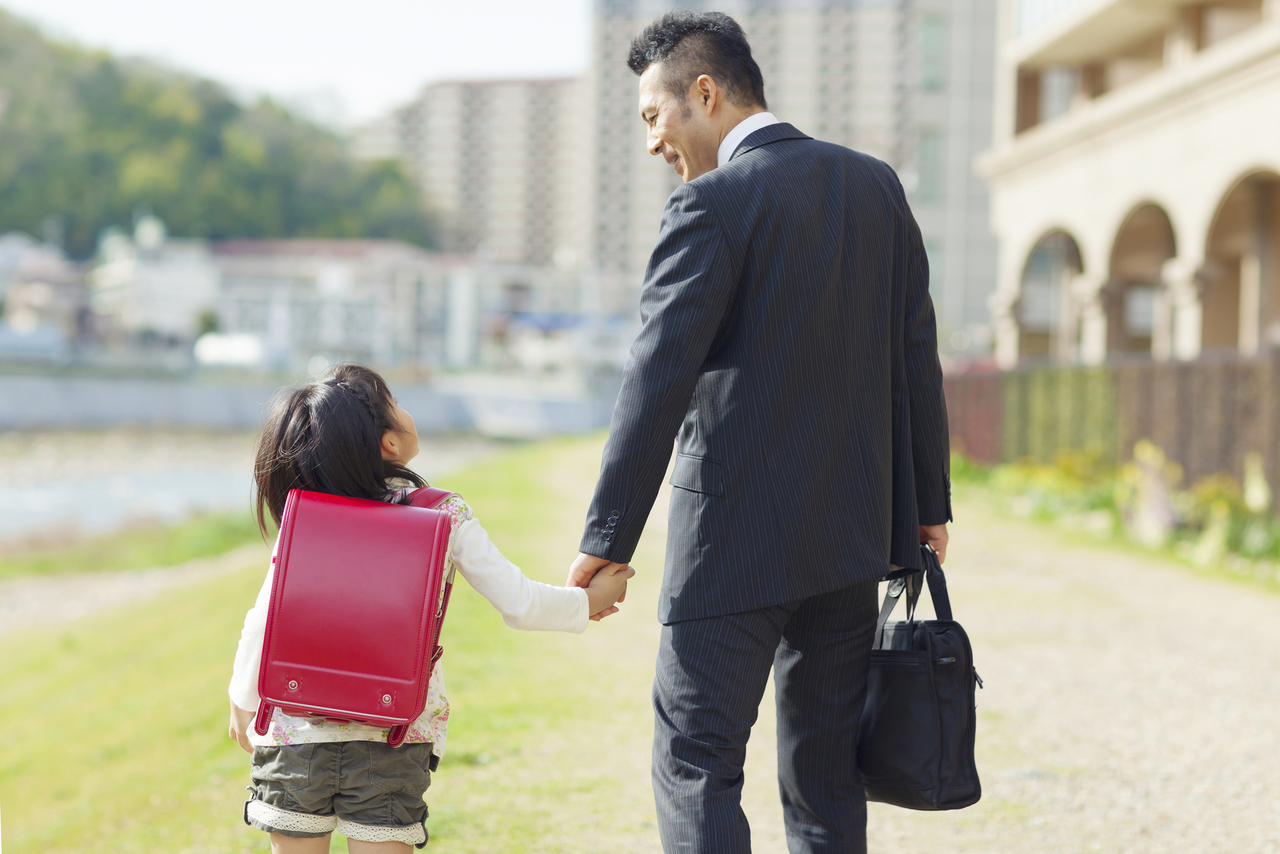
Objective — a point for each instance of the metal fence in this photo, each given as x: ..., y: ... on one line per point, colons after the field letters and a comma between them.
x: 1206, y: 415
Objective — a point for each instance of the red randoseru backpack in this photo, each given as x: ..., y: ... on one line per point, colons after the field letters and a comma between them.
x: 358, y: 599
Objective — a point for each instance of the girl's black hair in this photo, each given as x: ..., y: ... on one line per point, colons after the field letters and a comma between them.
x: 326, y: 437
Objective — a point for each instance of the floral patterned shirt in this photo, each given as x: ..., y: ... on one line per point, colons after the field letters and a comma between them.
x: 524, y: 604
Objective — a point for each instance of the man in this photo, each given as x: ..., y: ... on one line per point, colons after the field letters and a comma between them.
x: 789, y: 338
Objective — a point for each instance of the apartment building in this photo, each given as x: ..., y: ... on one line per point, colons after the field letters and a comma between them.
x: 907, y: 81
x: 1135, y: 179
x: 500, y: 160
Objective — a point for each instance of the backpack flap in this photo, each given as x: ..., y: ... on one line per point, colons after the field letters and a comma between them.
x: 354, y: 611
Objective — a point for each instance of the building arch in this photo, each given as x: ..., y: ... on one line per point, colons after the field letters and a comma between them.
x: 1240, y: 279
x: 1046, y: 313
x: 1133, y: 293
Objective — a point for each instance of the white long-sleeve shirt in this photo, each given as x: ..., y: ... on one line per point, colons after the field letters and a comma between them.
x: 524, y: 604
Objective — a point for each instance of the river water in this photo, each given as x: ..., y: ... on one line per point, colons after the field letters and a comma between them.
x: 68, y: 483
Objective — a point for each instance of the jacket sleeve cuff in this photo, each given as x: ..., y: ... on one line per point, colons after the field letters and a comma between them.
x: 613, y: 550
x: 934, y: 507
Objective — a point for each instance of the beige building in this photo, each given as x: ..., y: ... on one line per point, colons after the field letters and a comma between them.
x: 500, y: 160
x: 907, y: 82
x: 1135, y: 179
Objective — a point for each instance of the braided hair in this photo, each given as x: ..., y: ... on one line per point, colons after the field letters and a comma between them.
x: 326, y: 436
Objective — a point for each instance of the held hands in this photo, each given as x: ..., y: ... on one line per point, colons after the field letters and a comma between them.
x: 239, y: 729
x: 605, y: 582
x: 936, y: 536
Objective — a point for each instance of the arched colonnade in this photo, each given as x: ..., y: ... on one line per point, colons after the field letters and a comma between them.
x: 1158, y: 280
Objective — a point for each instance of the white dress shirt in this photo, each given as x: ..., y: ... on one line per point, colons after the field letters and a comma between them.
x: 745, y: 128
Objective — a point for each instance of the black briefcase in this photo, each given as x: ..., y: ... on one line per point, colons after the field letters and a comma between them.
x: 915, y: 746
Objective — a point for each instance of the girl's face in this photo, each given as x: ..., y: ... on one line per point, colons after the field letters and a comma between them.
x: 400, y: 445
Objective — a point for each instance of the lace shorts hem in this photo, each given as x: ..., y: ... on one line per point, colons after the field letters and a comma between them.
x: 301, y: 825
x: 414, y: 834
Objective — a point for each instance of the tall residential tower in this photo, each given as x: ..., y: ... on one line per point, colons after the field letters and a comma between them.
x: 500, y: 162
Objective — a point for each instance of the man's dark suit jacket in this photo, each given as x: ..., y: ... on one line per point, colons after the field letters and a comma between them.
x: 788, y: 336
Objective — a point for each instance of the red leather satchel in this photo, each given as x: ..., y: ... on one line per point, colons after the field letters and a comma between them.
x: 358, y: 599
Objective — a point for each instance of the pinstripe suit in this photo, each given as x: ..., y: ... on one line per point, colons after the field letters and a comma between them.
x: 788, y: 337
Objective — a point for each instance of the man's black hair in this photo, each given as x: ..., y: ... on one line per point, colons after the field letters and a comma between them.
x: 690, y: 44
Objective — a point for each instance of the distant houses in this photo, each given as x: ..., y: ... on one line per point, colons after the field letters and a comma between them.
x: 155, y: 301
x: 45, y: 302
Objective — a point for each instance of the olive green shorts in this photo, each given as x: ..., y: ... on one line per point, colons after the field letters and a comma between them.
x: 363, y: 789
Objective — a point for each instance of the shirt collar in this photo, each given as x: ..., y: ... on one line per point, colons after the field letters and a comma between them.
x: 741, y: 131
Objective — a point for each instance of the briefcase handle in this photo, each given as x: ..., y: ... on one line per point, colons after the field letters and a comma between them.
x: 933, y: 574
x: 908, y: 581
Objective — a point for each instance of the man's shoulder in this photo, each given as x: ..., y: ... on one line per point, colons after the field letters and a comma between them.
x: 786, y: 163
x: 749, y: 166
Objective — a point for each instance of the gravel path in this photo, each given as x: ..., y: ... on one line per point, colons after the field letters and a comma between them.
x: 1130, y: 706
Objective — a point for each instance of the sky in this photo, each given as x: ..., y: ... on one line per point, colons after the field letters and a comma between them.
x: 341, y: 62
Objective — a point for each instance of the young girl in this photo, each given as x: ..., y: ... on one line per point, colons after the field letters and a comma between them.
x: 346, y: 435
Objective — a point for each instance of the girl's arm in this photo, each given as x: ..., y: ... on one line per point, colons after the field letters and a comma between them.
x: 524, y: 603
x: 244, y: 675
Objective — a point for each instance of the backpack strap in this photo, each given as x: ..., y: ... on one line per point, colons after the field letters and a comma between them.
x: 431, y: 498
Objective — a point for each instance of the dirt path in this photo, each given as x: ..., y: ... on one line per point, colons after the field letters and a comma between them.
x: 1130, y: 706
x: 44, y: 600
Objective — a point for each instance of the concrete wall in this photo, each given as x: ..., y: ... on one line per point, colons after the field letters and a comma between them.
x: 28, y: 402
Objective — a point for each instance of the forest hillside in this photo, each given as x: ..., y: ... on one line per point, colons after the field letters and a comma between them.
x: 89, y: 140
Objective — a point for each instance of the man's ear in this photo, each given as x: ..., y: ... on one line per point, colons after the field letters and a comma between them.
x: 707, y: 92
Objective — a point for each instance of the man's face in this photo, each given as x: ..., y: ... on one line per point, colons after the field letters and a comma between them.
x: 680, y: 128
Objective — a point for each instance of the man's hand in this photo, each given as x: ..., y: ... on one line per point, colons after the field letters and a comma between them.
x: 239, y: 729
x: 583, y: 569
x: 936, y: 536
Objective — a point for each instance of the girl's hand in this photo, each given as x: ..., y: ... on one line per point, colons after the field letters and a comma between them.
x: 607, y: 586
x: 239, y: 730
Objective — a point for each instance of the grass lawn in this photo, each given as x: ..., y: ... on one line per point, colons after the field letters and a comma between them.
x: 115, y: 725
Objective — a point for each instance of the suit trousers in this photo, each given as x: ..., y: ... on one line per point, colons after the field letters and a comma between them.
x: 711, y: 676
